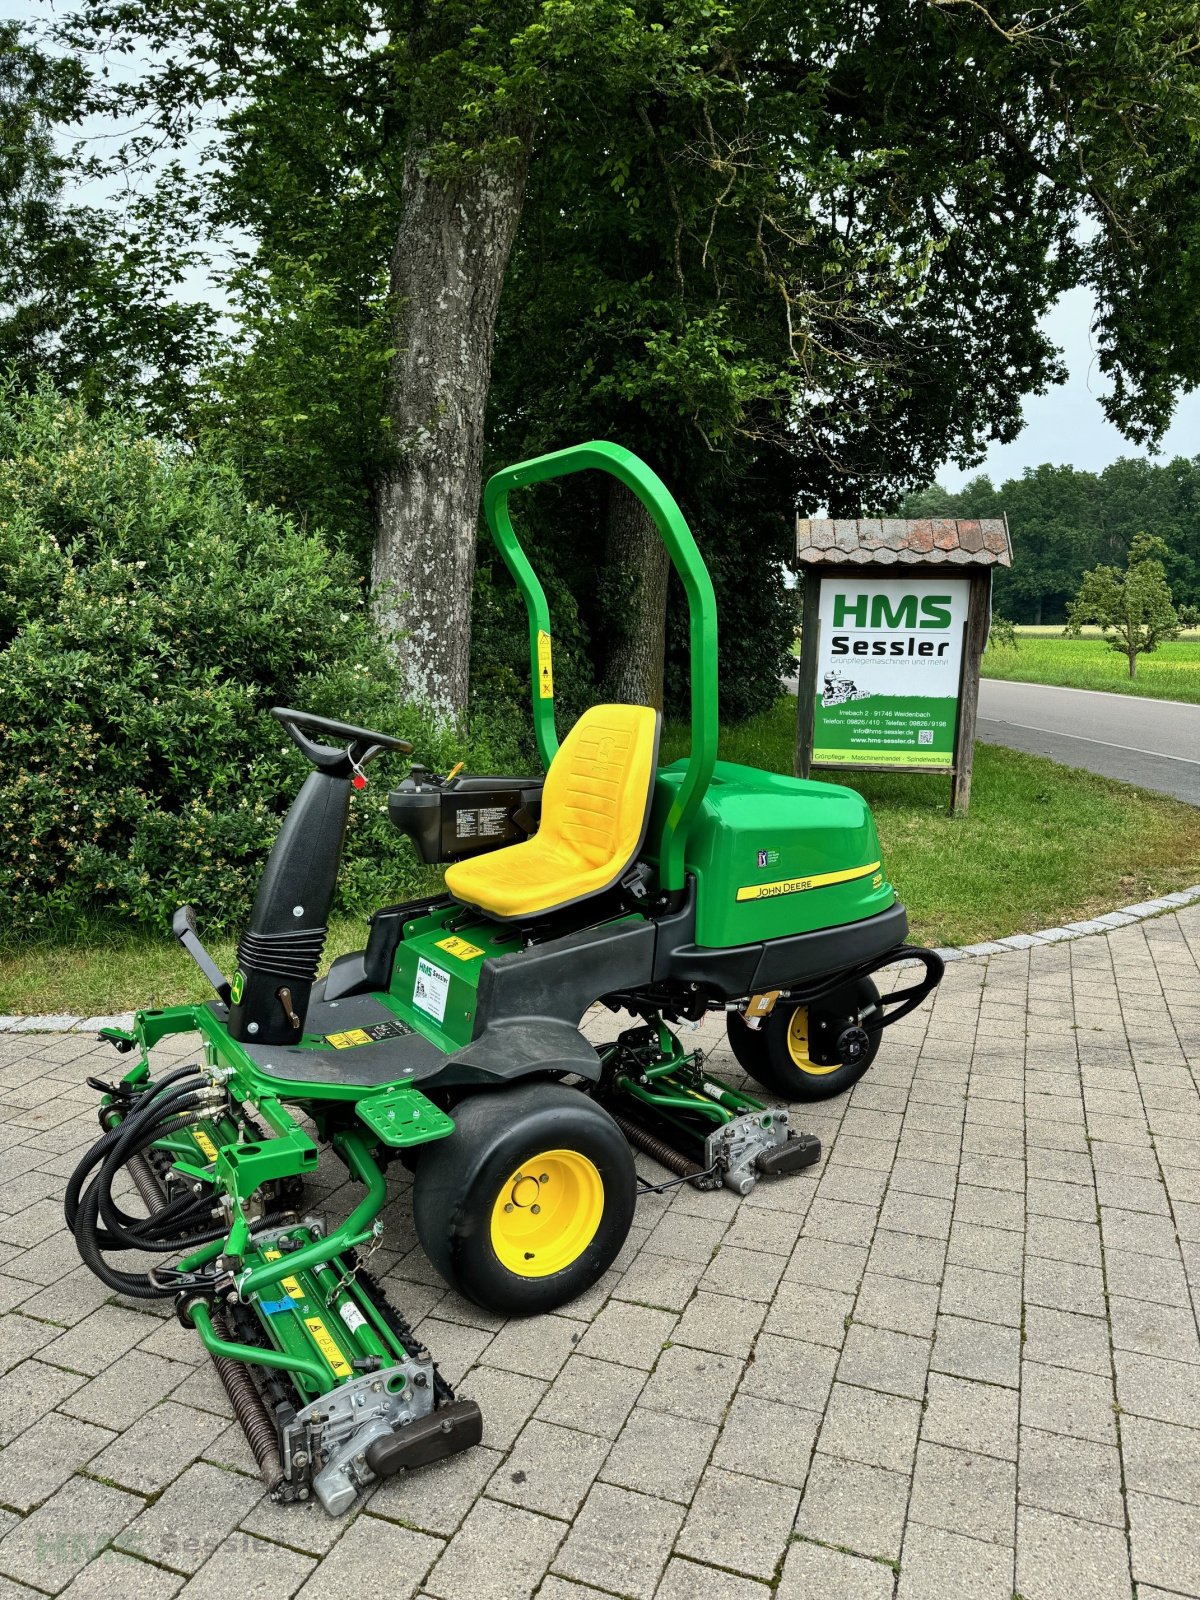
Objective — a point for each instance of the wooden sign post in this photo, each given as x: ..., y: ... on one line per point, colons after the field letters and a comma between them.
x: 895, y: 620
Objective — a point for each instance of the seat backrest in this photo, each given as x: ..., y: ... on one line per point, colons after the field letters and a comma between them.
x: 596, y: 799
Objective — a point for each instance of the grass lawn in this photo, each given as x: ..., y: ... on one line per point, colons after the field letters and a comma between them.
x: 1042, y: 845
x: 1042, y: 655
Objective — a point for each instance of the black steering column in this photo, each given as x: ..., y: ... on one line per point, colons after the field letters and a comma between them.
x: 280, y: 951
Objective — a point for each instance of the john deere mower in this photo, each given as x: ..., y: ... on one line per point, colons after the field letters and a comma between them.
x: 452, y: 1042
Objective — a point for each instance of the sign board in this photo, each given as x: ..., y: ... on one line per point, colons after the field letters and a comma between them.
x: 888, y: 671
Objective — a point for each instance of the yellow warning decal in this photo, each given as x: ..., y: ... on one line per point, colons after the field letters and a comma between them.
x: 545, y: 666
x: 344, y: 1041
x: 292, y: 1286
x: 820, y: 880
x: 460, y: 948
x: 205, y: 1143
x: 272, y: 1255
x: 327, y: 1345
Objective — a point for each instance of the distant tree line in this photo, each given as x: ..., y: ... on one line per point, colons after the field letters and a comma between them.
x: 1065, y: 522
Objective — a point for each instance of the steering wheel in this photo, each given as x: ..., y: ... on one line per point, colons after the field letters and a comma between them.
x: 359, y: 745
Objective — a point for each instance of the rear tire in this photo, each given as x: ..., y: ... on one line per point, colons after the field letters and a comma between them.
x: 529, y: 1200
x: 776, y: 1054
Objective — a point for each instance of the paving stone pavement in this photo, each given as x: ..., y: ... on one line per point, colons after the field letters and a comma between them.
x: 958, y: 1359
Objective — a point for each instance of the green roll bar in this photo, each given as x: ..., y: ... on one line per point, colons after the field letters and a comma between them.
x: 702, y: 612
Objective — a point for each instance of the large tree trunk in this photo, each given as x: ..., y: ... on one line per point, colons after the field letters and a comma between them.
x: 447, y: 272
x: 635, y: 589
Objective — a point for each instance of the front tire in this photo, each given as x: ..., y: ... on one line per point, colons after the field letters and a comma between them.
x: 777, y: 1054
x: 529, y: 1200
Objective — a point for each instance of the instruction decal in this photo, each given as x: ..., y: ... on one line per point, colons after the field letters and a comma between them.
x: 545, y: 667
x: 460, y: 948
x: 328, y: 1347
x: 371, y: 1035
x: 430, y: 989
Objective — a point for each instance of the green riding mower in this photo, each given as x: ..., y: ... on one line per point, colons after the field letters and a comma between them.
x: 452, y: 1042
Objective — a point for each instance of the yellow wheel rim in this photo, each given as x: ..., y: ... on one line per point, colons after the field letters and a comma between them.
x: 797, y: 1043
x: 547, y: 1213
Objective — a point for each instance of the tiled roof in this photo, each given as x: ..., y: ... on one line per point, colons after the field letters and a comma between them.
x: 888, y: 541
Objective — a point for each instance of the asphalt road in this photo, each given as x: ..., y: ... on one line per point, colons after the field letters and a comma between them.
x: 1154, y: 743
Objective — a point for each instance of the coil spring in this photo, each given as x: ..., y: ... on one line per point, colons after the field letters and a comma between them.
x: 658, y: 1149
x: 249, y: 1410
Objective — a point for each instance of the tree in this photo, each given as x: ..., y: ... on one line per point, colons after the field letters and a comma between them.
x: 832, y: 232
x: 87, y: 294
x: 1133, y: 606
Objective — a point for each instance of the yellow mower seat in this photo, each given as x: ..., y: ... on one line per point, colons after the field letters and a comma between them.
x: 595, y: 807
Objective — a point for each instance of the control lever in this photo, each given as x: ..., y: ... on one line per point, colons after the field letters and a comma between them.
x: 183, y: 926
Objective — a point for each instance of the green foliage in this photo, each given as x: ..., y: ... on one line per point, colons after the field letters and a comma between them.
x: 149, y: 618
x: 1002, y: 634
x: 1064, y: 521
x: 1134, y: 606
x: 88, y: 294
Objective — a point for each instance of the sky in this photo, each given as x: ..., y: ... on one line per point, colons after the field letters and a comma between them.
x: 1066, y: 426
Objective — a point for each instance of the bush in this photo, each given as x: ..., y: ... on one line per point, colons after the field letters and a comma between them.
x: 150, y: 616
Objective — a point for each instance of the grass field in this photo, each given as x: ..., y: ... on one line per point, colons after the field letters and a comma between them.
x: 1042, y: 655
x: 1042, y: 845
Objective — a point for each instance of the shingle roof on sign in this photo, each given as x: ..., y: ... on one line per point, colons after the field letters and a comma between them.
x: 924, y: 541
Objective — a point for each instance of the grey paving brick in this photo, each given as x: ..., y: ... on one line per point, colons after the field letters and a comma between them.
x: 803, y: 1311
x: 45, y: 1456
x: 1161, y: 1458
x: 1150, y: 1387
x: 876, y: 1358
x: 721, y: 1323
x: 767, y: 1440
x: 49, y: 1547
x: 514, y: 1351
x: 371, y: 1553
x: 1065, y: 1339
x: 1064, y: 1286
x: 686, y: 1580
x: 1076, y: 1477
x: 964, y: 1492
x: 120, y: 1395
x: 739, y: 1522
x: 1164, y: 1537
x: 825, y: 1265
x: 620, y: 1541
x: 663, y: 1281
x: 992, y: 1249
x: 157, y: 1447
x: 689, y: 1238
x: 629, y: 1335
x: 864, y: 1425
x: 1146, y: 1278
x: 1060, y: 1240
x: 967, y: 1415
x: 97, y: 1342
x: 588, y: 1389
x: 1154, y: 1330
x: 549, y: 1469
x: 200, y: 1508
x: 688, y: 1383
x: 900, y: 1304
x: 983, y: 1350
x: 28, y: 1392
x: 252, y: 1568
x: 500, y: 1551
x: 113, y: 1573
x: 938, y: 1565
x: 660, y: 1453
x: 855, y: 1506
x: 983, y: 1295
x: 1077, y: 1404
x: 790, y: 1370
x: 904, y: 1255
x: 812, y: 1569
x: 1059, y: 1556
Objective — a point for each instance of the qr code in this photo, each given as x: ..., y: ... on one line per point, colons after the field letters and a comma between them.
x: 924, y: 735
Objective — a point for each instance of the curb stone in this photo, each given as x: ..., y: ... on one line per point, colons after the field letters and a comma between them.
x: 1124, y: 917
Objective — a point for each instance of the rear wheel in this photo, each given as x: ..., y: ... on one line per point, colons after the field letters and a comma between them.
x: 779, y: 1053
x: 529, y: 1200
